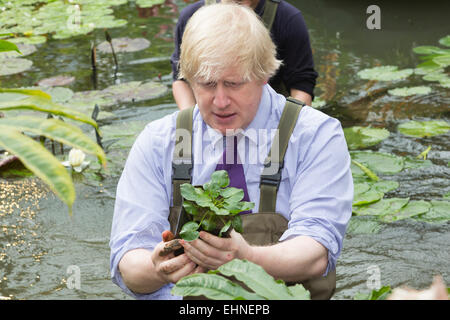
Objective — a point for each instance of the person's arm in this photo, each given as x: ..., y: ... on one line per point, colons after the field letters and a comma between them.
x: 183, y: 94
x: 302, y: 96
x: 144, y: 271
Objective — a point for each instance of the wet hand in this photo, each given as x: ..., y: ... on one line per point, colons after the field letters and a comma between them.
x: 211, y: 252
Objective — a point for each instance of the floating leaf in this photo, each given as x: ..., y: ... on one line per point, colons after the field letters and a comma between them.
x: 379, y: 162
x: 438, y: 213
x: 60, y: 80
x: 14, y: 65
x: 6, y: 46
x: 361, y: 225
x: 385, y: 73
x: 422, y: 129
x: 385, y: 186
x: 318, y: 103
x: 409, y: 91
x: 383, y: 207
x: 362, y: 137
x: 430, y: 50
x: 413, y: 208
x: 148, y: 3
x: 124, y: 45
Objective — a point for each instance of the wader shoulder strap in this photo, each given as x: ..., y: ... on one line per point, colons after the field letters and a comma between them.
x: 182, y: 154
x: 270, y: 10
x: 273, y: 165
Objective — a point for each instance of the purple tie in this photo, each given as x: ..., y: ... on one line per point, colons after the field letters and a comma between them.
x: 235, y: 170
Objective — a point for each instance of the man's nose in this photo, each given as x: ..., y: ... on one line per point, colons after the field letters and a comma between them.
x: 221, y: 98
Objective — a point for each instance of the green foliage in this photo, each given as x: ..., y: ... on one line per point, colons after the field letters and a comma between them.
x: 31, y: 153
x: 385, y: 73
x: 409, y: 91
x: 362, y: 137
x: 422, y: 129
x: 213, y: 206
x: 217, y: 287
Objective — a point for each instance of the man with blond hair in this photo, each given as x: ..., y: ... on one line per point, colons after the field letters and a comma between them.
x: 301, y: 208
x: 295, y: 77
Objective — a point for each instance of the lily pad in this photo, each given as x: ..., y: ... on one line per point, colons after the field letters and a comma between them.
x: 379, y: 162
x: 124, y: 45
x: 409, y: 91
x: 122, y: 135
x: 363, y: 137
x: 362, y: 225
x: 438, y: 213
x: 14, y: 65
x: 412, y: 209
x: 422, y: 129
x: 385, y: 73
x: 29, y: 40
x: 60, y: 80
x: 367, y: 197
x: 383, y: 207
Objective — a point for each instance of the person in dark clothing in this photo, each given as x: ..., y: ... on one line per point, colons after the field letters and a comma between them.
x: 296, y: 77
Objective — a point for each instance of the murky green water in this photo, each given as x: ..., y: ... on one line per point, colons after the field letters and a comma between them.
x: 39, y: 242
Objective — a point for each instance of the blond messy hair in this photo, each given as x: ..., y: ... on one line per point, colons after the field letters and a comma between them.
x: 224, y: 35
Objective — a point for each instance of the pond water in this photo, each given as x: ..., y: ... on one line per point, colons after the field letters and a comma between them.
x: 40, y: 243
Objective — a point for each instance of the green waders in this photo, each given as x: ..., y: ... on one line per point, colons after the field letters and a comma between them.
x: 266, y: 226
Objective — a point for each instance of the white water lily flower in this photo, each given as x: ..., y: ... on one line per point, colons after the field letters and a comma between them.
x: 76, y: 160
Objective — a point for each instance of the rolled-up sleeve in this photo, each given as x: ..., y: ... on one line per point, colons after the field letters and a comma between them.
x: 322, y: 189
x: 142, y: 202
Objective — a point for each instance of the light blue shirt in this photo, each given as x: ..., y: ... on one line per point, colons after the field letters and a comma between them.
x: 315, y: 194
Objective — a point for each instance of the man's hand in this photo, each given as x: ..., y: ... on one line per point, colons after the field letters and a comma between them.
x: 170, y: 268
x: 210, y: 252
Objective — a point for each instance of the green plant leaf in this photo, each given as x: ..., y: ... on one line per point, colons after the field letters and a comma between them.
x: 385, y: 186
x: 299, y: 292
x: 212, y: 286
x: 232, y: 195
x: 379, y: 162
x: 225, y: 228
x: 220, y: 178
x: 189, y: 231
x: 29, y: 92
x: 6, y: 46
x: 372, y: 176
x: 438, y: 213
x: 383, y: 207
x: 209, y: 224
x: 409, y: 91
x: 424, y: 128
x: 237, y: 224
x: 362, y: 137
x: 385, y: 73
x: 58, y: 130
x: 362, y: 225
x: 41, y: 162
x: 430, y: 50
x: 42, y: 104
x: 256, y: 279
x: 413, y: 208
x: 190, y: 207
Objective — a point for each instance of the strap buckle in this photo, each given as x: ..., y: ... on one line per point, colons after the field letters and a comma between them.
x: 182, y: 171
x: 272, y: 179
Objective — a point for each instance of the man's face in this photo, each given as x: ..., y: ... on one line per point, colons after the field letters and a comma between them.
x: 230, y: 103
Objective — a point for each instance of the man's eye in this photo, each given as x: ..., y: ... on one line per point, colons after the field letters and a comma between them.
x: 209, y: 84
x: 232, y: 84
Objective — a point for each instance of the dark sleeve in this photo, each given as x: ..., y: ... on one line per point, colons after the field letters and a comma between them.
x: 295, y: 51
x: 178, y: 34
x: 185, y: 14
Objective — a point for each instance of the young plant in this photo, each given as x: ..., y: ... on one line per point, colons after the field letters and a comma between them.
x: 214, y: 207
